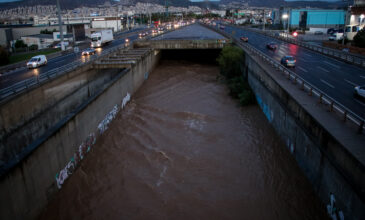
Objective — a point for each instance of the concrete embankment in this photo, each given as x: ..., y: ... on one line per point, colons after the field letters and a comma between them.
x: 82, y: 104
x: 329, y: 152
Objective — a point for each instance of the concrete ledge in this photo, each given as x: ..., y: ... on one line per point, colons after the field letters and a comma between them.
x: 329, y: 152
x: 27, y: 187
x: 182, y: 44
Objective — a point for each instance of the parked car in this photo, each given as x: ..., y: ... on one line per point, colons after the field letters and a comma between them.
x: 335, y: 36
x: 288, y: 61
x: 244, y: 39
x: 331, y: 31
x: 59, y: 45
x: 88, y: 51
x: 222, y: 27
x: 271, y: 46
x: 37, y: 61
x: 359, y: 91
x: 318, y: 33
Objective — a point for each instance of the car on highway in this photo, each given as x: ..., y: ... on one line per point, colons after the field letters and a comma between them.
x: 288, y: 61
x: 244, y: 39
x: 37, y: 61
x: 271, y: 46
x: 359, y: 91
x: 88, y: 51
x: 154, y: 31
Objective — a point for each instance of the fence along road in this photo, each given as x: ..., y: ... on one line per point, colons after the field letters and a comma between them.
x: 331, y: 103
x: 31, y: 78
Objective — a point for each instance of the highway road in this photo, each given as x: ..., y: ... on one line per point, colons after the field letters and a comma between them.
x: 335, y: 78
x: 24, y: 73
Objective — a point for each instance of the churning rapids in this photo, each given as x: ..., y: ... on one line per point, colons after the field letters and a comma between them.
x: 183, y: 149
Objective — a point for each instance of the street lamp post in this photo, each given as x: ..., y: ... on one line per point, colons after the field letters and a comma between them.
x: 362, y: 16
x: 286, y: 18
x: 60, y: 24
x: 344, y: 26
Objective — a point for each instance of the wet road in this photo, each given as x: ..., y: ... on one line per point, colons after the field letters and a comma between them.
x: 335, y: 78
x: 183, y: 149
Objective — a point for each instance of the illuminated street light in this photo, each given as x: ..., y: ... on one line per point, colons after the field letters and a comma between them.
x: 285, y: 16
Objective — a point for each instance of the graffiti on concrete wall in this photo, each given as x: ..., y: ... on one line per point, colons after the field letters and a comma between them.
x: 265, y: 108
x: 103, y: 125
x: 333, y: 211
x: 84, y: 148
x: 86, y: 145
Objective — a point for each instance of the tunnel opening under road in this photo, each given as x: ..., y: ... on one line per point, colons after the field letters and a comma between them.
x: 183, y: 149
x: 206, y: 56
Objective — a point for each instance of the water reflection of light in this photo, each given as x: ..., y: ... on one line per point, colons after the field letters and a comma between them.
x: 84, y: 59
x: 293, y: 49
x: 98, y: 50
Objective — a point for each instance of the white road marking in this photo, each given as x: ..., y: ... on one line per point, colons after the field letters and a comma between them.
x: 302, y: 69
x: 351, y: 83
x: 323, y: 69
x: 327, y: 84
x: 360, y: 102
x: 307, y: 55
x: 58, y: 61
x: 331, y: 64
x: 362, y: 77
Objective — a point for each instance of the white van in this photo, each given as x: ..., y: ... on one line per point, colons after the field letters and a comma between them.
x: 37, y: 61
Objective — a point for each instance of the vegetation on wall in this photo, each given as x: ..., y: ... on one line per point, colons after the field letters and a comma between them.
x: 230, y: 63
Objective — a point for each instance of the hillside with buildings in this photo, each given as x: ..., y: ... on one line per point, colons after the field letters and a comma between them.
x: 70, y: 4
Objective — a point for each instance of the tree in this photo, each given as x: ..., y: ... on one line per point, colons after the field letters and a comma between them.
x: 359, y: 39
x: 20, y: 44
x: 4, y: 56
x: 230, y: 61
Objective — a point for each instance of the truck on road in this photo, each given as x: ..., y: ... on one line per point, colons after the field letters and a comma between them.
x: 100, y: 38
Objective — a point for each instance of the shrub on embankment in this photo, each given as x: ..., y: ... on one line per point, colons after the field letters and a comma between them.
x: 230, y: 63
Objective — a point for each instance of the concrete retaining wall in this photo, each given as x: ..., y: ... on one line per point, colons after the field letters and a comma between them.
x: 182, y: 44
x: 26, y: 189
x: 307, y: 129
x: 26, y: 117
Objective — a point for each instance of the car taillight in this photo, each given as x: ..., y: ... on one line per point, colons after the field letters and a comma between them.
x: 286, y: 60
x: 295, y: 61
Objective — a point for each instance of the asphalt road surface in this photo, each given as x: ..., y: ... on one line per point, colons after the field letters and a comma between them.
x: 24, y: 73
x: 335, y: 78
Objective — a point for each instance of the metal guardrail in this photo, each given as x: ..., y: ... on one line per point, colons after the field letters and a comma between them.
x: 41, y: 78
x: 344, y: 56
x: 44, y: 77
x: 333, y: 106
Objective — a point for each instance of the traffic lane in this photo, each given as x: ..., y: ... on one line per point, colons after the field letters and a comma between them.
x: 56, y: 62
x: 328, y: 78
x: 16, y: 77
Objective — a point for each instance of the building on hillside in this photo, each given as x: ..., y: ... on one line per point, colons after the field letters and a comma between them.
x: 114, y: 23
x: 41, y: 40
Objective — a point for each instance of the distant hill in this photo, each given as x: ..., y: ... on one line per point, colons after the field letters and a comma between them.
x: 70, y: 4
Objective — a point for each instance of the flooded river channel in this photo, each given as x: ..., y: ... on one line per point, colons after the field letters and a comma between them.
x: 183, y: 149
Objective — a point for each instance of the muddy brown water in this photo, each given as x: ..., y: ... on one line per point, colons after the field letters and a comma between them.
x: 183, y: 149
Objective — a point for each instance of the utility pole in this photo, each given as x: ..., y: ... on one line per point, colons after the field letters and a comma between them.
x: 167, y: 9
x: 60, y: 24
x: 263, y: 27
x: 344, y: 25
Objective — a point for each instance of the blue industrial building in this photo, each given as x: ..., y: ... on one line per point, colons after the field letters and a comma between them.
x: 316, y: 18
x: 307, y: 17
